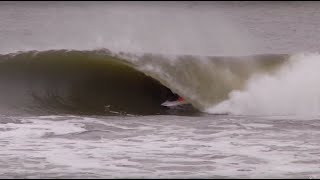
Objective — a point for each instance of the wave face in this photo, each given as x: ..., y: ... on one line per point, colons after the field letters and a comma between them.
x: 85, y: 82
x: 101, y: 82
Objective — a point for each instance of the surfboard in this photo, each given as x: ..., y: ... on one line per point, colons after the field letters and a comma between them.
x: 173, y: 103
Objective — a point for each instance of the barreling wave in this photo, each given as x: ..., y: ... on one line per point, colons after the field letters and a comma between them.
x: 101, y: 82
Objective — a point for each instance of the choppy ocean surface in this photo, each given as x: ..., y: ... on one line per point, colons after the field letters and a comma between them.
x: 81, y: 85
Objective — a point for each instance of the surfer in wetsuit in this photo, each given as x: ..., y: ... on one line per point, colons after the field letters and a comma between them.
x: 176, y: 97
x: 180, y: 99
x: 173, y: 99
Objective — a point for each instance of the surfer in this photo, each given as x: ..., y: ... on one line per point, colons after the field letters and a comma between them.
x: 175, y: 98
x: 178, y: 100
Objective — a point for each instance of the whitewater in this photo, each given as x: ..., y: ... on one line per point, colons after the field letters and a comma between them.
x: 81, y: 87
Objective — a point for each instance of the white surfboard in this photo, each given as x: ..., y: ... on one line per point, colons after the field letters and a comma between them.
x: 173, y: 103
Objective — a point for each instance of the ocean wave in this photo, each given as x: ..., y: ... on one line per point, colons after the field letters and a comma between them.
x: 102, y: 82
